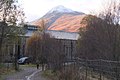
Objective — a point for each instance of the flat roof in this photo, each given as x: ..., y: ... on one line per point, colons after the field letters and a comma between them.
x: 63, y: 35
x: 58, y: 34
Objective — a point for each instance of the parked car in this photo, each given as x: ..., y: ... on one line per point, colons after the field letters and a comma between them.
x: 24, y: 60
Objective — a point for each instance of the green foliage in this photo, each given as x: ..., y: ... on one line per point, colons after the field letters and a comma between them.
x: 10, y: 12
x: 10, y: 15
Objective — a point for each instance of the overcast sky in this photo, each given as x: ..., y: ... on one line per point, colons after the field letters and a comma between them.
x: 35, y: 9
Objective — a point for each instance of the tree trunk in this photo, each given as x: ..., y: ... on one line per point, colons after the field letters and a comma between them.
x: 16, y: 57
x: 1, y: 40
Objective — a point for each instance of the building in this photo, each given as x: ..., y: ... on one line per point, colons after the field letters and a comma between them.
x: 68, y: 39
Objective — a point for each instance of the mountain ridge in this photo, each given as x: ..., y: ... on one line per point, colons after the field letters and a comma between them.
x: 61, y: 9
x: 54, y: 15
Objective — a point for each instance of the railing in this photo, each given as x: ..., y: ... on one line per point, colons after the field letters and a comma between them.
x: 105, y: 69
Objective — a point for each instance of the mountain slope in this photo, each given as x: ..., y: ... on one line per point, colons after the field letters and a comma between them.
x: 68, y: 23
x: 57, y: 14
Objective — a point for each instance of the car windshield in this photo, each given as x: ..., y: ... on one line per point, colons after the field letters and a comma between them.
x: 23, y: 58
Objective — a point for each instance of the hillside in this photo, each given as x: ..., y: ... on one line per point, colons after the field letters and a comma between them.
x: 68, y: 23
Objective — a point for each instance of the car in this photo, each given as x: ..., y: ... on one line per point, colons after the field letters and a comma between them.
x: 23, y: 60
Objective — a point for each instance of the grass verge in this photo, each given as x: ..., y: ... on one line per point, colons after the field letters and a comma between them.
x: 49, y: 74
x: 29, y: 65
x: 4, y: 72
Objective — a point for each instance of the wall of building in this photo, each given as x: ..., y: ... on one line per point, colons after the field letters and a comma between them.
x: 69, y: 47
x: 68, y: 40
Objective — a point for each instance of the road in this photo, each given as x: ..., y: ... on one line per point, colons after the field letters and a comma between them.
x: 27, y: 73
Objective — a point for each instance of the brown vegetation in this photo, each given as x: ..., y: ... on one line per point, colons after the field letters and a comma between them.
x: 45, y: 49
x: 69, y: 23
x: 100, y: 39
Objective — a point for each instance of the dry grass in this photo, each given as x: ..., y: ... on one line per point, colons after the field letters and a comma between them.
x: 49, y: 74
x: 5, y: 71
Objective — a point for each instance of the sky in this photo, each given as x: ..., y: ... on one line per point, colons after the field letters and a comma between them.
x: 34, y: 9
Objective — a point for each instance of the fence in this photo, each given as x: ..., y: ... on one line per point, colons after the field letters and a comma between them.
x: 102, y: 69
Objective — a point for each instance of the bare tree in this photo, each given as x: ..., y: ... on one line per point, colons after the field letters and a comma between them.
x: 45, y: 49
x: 100, y: 38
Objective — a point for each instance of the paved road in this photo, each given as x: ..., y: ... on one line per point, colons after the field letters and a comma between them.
x: 27, y: 73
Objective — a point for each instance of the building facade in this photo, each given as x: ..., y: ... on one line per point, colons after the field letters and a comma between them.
x: 68, y: 39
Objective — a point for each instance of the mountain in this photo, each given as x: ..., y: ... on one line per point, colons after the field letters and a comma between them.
x: 60, y: 9
x: 68, y: 23
x: 61, y: 18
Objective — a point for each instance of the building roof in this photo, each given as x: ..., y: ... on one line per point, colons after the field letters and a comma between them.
x: 58, y: 34
x: 63, y: 35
